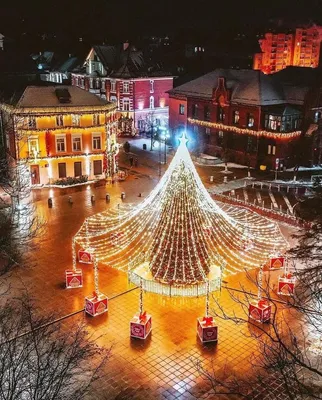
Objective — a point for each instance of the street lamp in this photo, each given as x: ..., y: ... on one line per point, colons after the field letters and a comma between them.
x: 164, y: 136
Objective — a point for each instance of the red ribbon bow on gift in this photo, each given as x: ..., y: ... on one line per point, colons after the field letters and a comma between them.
x: 142, y: 317
x: 94, y: 296
x: 288, y: 275
x: 208, y: 320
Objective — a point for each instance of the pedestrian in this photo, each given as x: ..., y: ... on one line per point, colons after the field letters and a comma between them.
x: 136, y: 162
x: 131, y: 161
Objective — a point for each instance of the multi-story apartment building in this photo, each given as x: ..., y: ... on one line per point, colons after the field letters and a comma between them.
x: 121, y: 75
x: 61, y: 132
x: 248, y: 117
x: 280, y: 50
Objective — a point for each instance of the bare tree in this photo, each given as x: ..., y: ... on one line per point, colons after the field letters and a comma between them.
x: 151, y: 125
x: 41, y: 360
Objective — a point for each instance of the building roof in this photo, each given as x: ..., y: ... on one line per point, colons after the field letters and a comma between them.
x: 250, y: 87
x: 126, y: 61
x: 36, y: 99
x: 67, y: 65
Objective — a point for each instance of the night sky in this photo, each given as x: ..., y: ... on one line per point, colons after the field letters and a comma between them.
x: 119, y: 19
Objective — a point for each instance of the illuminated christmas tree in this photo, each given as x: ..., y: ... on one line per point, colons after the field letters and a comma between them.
x: 179, y: 234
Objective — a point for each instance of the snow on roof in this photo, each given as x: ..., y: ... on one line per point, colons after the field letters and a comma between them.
x: 35, y: 96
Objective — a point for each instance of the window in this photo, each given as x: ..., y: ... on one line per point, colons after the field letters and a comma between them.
x: 151, y: 102
x: 113, y: 98
x: 195, y: 129
x: 220, y: 138
x: 317, y: 116
x: 141, y: 125
x: 62, y: 170
x: 59, y: 120
x: 273, y: 122
x: 97, y: 167
x: 96, y: 119
x: 75, y: 119
x: 33, y: 147
x: 97, y: 145
x: 77, y: 168
x: 157, y: 122
x: 181, y: 109
x: 77, y: 143
x: 207, y: 113
x: 113, y: 86
x: 8, y: 141
x: 60, y: 144
x: 221, y: 114
x: 236, y: 117
x: 32, y: 123
x: 207, y: 131
x: 271, y: 149
x: 195, y: 111
x: 126, y: 104
x: 126, y: 87
x: 97, y: 84
x: 151, y: 86
x: 250, y: 120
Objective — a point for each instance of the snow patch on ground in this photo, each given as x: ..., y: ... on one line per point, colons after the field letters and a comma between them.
x: 315, y: 168
x: 232, y: 165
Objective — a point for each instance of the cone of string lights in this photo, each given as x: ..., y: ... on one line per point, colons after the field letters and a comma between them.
x: 178, y: 236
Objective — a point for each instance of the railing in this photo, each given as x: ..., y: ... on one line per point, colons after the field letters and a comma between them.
x: 269, y: 213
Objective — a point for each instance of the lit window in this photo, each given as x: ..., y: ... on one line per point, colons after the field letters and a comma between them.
x: 207, y: 131
x: 151, y: 86
x: 181, y: 109
x: 151, y: 102
x: 236, y: 117
x: 75, y: 119
x: 97, y: 142
x: 113, y: 86
x: 60, y: 144
x: 59, y: 120
x: 126, y: 87
x: 33, y: 146
x: 250, y: 120
x: 77, y: 143
x: 317, y: 116
x: 126, y: 104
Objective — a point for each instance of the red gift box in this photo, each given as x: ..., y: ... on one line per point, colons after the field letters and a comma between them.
x: 84, y: 257
x: 260, y: 310
x: 96, y: 304
x: 141, y: 326
x: 207, y: 330
x: 286, y: 284
x: 74, y: 278
x: 276, y: 262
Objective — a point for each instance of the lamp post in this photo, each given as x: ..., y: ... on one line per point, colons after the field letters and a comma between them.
x: 164, y: 136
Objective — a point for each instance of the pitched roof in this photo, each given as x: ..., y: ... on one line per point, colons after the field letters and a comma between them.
x: 249, y: 87
x: 38, y: 97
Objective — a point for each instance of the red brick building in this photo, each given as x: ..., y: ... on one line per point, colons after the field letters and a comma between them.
x: 247, y: 117
x: 120, y: 74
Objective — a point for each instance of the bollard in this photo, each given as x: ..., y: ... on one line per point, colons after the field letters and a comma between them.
x: 261, y: 185
x: 287, y: 189
x: 271, y: 206
x: 263, y: 204
x: 123, y: 195
x: 211, y: 179
x: 50, y: 202
x: 140, y: 194
x: 278, y: 188
x: 232, y: 192
x: 235, y: 177
x: 253, y: 185
x: 254, y: 202
x: 92, y: 198
x: 280, y: 207
x: 107, y: 198
x: 225, y: 179
x: 70, y: 200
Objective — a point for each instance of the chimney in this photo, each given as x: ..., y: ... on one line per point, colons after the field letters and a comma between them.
x: 125, y: 45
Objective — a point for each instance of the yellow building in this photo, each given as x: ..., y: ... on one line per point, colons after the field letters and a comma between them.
x: 61, y: 132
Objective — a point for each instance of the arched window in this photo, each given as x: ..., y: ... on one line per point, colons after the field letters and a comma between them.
x: 151, y: 102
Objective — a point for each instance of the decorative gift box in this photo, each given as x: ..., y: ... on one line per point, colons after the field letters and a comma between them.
x: 207, y: 330
x: 96, y: 304
x: 276, y: 262
x: 141, y: 326
x: 85, y: 257
x: 260, y: 310
x: 74, y: 278
x: 286, y: 284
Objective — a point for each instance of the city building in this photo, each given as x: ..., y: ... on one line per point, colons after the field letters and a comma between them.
x: 60, y: 132
x: 120, y: 74
x: 248, y: 117
x: 61, y: 72
x: 280, y: 50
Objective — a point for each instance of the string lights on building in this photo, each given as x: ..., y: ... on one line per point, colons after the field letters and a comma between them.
x: 245, y: 131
